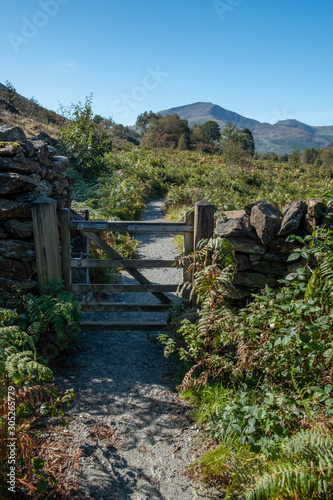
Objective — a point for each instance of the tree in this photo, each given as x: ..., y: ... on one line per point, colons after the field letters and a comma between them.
x: 237, y: 145
x: 212, y: 131
x: 183, y: 143
x: 170, y: 127
x: 11, y: 93
x: 143, y: 121
x: 85, y: 141
x: 309, y: 156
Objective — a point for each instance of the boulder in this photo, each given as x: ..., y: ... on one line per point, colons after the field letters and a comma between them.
x: 10, y: 148
x: 309, y: 223
x: 60, y: 164
x: 280, y: 245
x: 247, y: 245
x: 270, y: 268
x: 254, y: 280
x: 249, y: 206
x: 315, y: 207
x: 3, y: 234
x: 13, y: 288
x: 51, y: 141
x: 44, y: 155
x: 44, y: 188
x: 29, y: 149
x: 266, y: 219
x: 292, y: 216
x: 19, y: 229
x: 276, y: 257
x: 26, y: 197
x: 16, y: 249
x: 11, y: 209
x: 243, y: 262
x: 12, y: 182
x: 9, y: 133
x: 15, y: 269
x: 25, y: 167
x: 237, y: 224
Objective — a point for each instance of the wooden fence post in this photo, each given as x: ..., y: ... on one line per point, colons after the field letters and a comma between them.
x: 46, y: 235
x: 188, y: 248
x: 65, y: 248
x: 203, y: 227
x: 203, y: 221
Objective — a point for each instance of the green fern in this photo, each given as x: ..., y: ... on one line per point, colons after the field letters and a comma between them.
x: 304, y: 470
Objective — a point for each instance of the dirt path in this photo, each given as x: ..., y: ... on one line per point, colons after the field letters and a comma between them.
x: 130, y: 435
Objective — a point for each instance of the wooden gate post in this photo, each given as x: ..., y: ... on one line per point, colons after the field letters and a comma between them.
x: 203, y: 221
x: 65, y: 248
x: 46, y: 237
x: 203, y: 227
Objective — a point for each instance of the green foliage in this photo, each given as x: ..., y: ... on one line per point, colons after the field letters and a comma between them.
x: 272, y: 363
x: 304, y: 469
x: 41, y: 326
x: 85, y: 141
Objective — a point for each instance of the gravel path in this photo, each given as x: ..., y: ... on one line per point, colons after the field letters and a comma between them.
x: 130, y: 435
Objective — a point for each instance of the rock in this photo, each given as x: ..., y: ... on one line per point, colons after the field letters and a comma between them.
x: 237, y: 224
x: 245, y: 245
x: 11, y: 209
x: 254, y: 280
x: 280, y: 245
x: 19, y: 229
x: 58, y: 188
x: 266, y: 219
x: 25, y: 167
x: 10, y: 268
x: 270, y: 268
x: 275, y: 257
x: 292, y: 216
x: 44, y: 155
x: 9, y: 133
x: 315, y: 207
x: 239, y: 293
x: 26, y: 197
x: 44, y: 188
x: 12, y: 288
x: 249, y: 206
x: 309, y: 223
x: 20, y: 158
x: 29, y: 149
x: 243, y: 262
x: 60, y: 164
x: 43, y: 136
x: 52, y: 151
x: 16, y: 249
x: 3, y: 234
x: 12, y: 182
x: 254, y: 259
x: 10, y: 148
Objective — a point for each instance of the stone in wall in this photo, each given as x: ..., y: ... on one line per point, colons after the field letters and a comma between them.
x: 258, y: 234
x: 266, y: 219
x: 29, y: 169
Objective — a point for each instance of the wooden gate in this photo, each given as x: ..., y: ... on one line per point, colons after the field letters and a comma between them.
x: 197, y: 224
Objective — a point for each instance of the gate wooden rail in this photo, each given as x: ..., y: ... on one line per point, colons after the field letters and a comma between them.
x: 197, y: 224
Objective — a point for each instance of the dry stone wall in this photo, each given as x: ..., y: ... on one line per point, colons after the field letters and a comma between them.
x: 258, y: 234
x: 29, y: 169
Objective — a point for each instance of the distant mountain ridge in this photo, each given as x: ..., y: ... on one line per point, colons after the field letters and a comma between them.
x: 282, y: 137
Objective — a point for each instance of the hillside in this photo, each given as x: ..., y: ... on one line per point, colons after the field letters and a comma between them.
x: 280, y: 138
x: 28, y: 114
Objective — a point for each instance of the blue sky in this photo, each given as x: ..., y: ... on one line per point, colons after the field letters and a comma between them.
x: 267, y: 60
